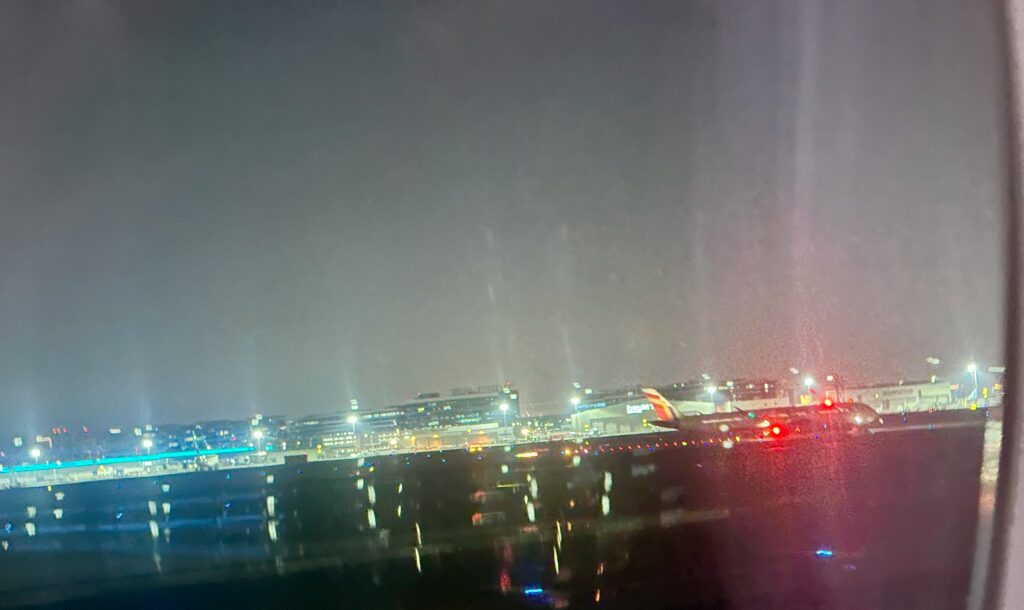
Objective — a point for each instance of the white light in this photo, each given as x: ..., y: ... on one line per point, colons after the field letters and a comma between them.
x: 858, y: 419
x: 972, y: 368
x: 794, y: 370
x: 503, y: 406
x: 257, y: 434
x: 711, y: 390
x: 575, y: 400
x: 35, y: 453
x: 147, y: 443
x: 808, y: 381
x: 352, y: 419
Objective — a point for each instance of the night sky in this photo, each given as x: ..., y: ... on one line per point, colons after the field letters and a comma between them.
x: 210, y: 209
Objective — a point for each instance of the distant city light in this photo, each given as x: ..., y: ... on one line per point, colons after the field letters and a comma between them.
x: 147, y: 443
x: 257, y: 434
x: 711, y: 390
x: 35, y: 453
x: 794, y: 370
x: 503, y: 406
x: 575, y: 400
x: 808, y: 381
x: 972, y: 368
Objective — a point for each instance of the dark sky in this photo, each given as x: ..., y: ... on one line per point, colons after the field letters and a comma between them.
x: 209, y: 209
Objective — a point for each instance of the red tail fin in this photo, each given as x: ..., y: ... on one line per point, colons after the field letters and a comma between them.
x: 663, y: 409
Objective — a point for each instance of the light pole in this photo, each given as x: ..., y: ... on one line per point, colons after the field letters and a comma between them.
x: 711, y: 391
x: 35, y: 453
x: 972, y: 368
x: 352, y: 419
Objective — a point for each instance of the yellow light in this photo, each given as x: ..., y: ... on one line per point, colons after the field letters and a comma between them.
x: 526, y: 455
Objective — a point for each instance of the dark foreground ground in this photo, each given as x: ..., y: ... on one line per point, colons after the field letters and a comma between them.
x: 883, y: 520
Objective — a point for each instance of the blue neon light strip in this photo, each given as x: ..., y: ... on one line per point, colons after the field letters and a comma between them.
x: 125, y: 459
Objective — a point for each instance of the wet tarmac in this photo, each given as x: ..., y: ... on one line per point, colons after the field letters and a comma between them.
x: 883, y: 520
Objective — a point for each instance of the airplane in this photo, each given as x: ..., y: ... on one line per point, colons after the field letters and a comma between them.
x: 772, y: 422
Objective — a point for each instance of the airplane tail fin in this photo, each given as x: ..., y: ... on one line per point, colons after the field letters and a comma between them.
x: 663, y: 409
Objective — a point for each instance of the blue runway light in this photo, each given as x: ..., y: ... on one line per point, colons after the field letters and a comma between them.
x: 533, y: 591
x: 127, y: 459
x: 824, y: 553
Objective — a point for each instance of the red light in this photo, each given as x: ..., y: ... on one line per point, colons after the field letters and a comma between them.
x: 776, y: 430
x: 827, y: 404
